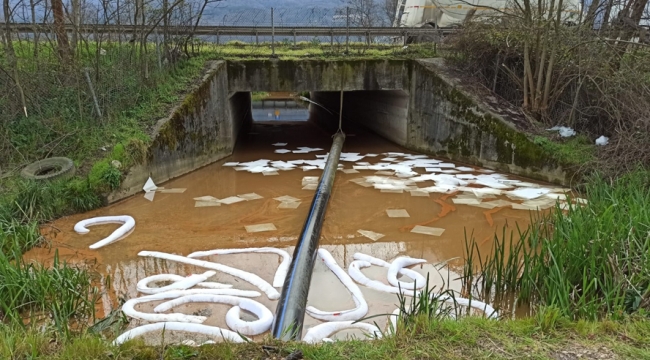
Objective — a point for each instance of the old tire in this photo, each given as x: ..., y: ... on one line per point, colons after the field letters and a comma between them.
x: 48, y: 169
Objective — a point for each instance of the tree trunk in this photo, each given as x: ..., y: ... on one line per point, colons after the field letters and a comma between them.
x: 59, y: 30
x: 76, y: 22
x: 37, y: 34
x: 12, y: 62
x: 551, y: 62
x: 166, y: 27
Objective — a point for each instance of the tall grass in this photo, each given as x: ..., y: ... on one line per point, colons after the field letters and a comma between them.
x: 588, y: 261
x: 36, y: 294
x: 32, y: 293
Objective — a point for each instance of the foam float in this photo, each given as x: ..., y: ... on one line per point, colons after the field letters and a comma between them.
x: 361, y: 305
x: 400, y: 263
x: 280, y: 273
x: 355, y: 273
x: 214, y: 331
x: 321, y: 333
x: 128, y: 223
x: 129, y: 306
x: 179, y: 282
x: 418, y: 280
x: 233, y: 319
x: 260, y: 283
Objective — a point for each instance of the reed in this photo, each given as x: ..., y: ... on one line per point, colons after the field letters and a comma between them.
x: 588, y: 262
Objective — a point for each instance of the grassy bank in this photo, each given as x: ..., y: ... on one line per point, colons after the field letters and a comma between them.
x: 544, y: 337
x: 589, y: 262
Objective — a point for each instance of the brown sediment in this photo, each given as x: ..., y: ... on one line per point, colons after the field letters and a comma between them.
x: 488, y: 214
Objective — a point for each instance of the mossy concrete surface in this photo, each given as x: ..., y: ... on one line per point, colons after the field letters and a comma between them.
x: 428, y: 108
x: 450, y: 117
x: 199, y: 131
x: 317, y: 75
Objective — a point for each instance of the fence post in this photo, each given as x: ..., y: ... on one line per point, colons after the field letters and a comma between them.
x: 272, y: 35
x: 158, y: 52
x: 347, y: 32
x: 92, y: 92
x: 257, y: 38
x: 294, y: 38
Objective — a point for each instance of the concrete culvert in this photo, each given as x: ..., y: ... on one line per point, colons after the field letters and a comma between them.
x: 49, y: 169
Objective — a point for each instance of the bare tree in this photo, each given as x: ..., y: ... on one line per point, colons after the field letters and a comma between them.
x: 11, y: 54
x: 61, y: 35
x: 390, y: 10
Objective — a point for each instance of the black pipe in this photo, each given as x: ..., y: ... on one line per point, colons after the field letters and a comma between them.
x: 290, y: 312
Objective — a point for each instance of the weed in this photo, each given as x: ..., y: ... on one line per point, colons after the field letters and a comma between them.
x: 588, y: 262
x: 575, y: 151
x: 32, y: 293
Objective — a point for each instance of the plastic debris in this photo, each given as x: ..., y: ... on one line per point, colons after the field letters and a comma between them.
x: 392, y: 191
x: 150, y: 195
x: 282, y: 151
x: 149, y: 186
x: 260, y: 228
x: 350, y: 171
x: 310, y: 187
x: 231, y: 200
x: 466, y: 201
x: 230, y: 164
x: 206, y: 203
x: 250, y: 196
x: 397, y: 213
x: 269, y: 173
x: 286, y: 198
x: 464, y: 168
x: 527, y: 193
x: 173, y: 191
x: 289, y: 205
x: 206, y: 198
x: 371, y: 234
x: 419, y: 193
x: 602, y: 141
x: 563, y: 131
x: 280, y: 144
x: 426, y: 230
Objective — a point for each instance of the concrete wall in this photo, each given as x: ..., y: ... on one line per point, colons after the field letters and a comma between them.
x: 422, y: 106
x: 201, y: 130
x: 383, y: 112
x: 448, y: 117
x: 317, y: 75
x: 444, y: 115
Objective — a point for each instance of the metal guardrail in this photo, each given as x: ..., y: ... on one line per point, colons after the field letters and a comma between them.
x: 238, y: 30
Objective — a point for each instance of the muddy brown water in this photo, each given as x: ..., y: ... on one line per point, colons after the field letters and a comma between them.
x: 171, y: 223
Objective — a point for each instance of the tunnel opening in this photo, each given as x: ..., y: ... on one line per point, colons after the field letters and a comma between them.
x: 383, y: 112
x: 278, y: 107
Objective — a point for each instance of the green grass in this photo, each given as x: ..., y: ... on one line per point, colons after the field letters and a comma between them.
x: 309, y: 50
x: 589, y: 262
x: 469, y: 338
x: 259, y: 95
x: 575, y: 151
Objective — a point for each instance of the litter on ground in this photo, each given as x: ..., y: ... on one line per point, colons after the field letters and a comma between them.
x: 289, y: 205
x: 206, y: 203
x: 426, y: 230
x: 250, y: 196
x: 260, y: 228
x: 371, y: 234
x: 397, y: 213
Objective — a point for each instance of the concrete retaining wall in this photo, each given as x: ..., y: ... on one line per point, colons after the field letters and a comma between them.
x: 449, y: 118
x: 317, y: 75
x: 202, y: 130
x: 420, y: 104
